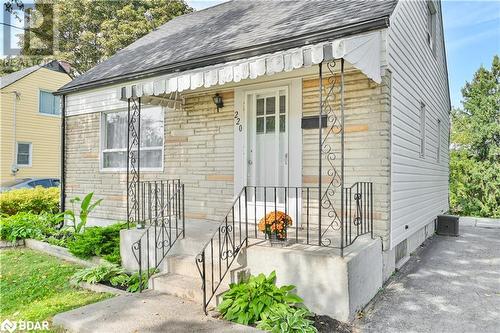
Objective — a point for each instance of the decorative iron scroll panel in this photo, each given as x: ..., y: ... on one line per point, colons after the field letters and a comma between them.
x: 133, y: 163
x: 332, y: 192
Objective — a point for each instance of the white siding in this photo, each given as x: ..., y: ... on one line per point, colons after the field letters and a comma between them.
x: 419, y: 185
x: 96, y: 100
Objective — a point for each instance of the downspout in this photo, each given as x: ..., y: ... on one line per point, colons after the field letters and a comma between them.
x: 63, y: 153
x: 14, y: 168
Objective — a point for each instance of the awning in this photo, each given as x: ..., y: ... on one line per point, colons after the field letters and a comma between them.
x: 362, y: 51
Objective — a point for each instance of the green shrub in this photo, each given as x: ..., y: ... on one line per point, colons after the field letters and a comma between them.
x: 35, y: 200
x: 247, y: 302
x: 98, y: 241
x: 28, y: 225
x: 284, y: 318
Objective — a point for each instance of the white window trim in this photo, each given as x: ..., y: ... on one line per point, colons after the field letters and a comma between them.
x: 438, y: 141
x: 102, y: 169
x: 47, y: 114
x: 422, y: 120
x: 431, y: 35
x: 30, y: 154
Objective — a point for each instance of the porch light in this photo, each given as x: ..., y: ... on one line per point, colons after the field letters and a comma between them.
x: 218, y: 101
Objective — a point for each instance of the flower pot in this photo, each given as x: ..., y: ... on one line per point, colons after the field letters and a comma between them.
x: 274, y: 240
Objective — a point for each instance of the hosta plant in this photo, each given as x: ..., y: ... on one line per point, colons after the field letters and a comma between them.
x: 247, y: 302
x: 282, y: 318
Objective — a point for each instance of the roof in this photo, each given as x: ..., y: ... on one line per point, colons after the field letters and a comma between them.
x: 16, y: 76
x: 234, y: 30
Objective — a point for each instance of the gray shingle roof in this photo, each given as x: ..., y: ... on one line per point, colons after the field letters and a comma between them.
x: 8, y: 79
x: 13, y: 77
x: 229, y: 28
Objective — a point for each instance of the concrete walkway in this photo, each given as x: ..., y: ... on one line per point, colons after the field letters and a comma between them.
x: 146, y: 312
x: 450, y: 285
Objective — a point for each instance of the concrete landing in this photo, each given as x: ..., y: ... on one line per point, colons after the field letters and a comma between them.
x: 149, y: 311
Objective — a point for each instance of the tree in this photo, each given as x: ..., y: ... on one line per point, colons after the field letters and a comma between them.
x: 87, y: 32
x: 475, y: 146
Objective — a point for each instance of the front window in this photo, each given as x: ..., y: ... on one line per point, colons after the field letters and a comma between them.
x: 49, y: 104
x: 114, y: 140
x: 23, y: 154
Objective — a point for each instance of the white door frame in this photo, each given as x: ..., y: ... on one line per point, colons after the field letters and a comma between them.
x: 241, y: 117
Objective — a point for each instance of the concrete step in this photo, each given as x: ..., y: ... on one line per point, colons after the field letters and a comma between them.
x: 182, y: 264
x: 182, y: 286
x: 188, y: 246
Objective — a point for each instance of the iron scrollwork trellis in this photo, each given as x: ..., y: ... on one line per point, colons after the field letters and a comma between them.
x: 133, y: 161
x: 335, y: 126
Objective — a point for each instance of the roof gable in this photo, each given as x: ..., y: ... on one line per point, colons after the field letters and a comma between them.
x: 9, y: 79
x: 229, y: 27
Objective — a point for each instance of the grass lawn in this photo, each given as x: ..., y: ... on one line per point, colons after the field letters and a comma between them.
x: 35, y: 286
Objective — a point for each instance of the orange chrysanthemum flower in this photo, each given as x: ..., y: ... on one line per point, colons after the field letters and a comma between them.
x: 275, y: 222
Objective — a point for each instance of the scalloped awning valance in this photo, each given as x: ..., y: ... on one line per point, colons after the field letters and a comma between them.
x: 362, y: 51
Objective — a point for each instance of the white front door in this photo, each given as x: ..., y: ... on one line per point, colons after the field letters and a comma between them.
x: 268, y: 153
x: 268, y: 138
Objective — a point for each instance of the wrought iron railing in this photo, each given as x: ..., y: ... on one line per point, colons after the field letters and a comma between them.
x: 241, y: 223
x: 161, y: 212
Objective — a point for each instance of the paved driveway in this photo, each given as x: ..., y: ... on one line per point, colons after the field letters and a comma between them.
x: 451, y: 285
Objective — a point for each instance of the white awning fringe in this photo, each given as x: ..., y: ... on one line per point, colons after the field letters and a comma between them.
x: 363, y: 52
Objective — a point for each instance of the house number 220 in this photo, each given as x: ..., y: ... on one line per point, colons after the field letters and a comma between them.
x: 238, y: 121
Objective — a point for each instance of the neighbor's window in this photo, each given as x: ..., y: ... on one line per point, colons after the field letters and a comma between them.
x: 431, y: 25
x: 23, y: 152
x: 114, y: 139
x: 49, y: 104
x: 422, y: 129
x: 438, y: 153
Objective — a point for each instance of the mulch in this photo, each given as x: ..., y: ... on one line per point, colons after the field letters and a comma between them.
x: 326, y: 324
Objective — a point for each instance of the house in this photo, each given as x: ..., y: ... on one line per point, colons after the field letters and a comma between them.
x: 31, y: 121
x: 332, y: 113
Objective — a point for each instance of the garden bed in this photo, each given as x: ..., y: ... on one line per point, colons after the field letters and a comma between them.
x: 326, y: 324
x: 61, y: 253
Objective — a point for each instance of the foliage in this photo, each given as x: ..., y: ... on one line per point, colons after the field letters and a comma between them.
x: 98, y: 241
x: 36, y: 200
x: 249, y: 301
x: 475, y: 146
x: 35, y: 286
x: 135, y: 281
x: 87, y: 32
x: 283, y: 318
x: 102, y: 273
x: 60, y: 237
x: 86, y: 207
x: 28, y: 225
x: 275, y: 222
x: 114, y: 275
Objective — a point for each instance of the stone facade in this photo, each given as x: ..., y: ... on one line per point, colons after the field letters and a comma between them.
x: 199, y: 149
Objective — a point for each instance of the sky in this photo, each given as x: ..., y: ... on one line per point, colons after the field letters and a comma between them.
x: 472, y: 36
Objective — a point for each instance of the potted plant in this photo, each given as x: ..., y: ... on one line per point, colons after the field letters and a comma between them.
x: 275, y: 225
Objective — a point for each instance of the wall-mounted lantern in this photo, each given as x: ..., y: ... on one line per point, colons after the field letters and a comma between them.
x: 218, y: 101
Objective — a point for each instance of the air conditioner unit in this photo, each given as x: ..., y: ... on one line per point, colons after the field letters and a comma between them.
x: 447, y: 225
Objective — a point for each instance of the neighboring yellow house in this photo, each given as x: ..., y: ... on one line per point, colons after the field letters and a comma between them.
x: 30, y: 122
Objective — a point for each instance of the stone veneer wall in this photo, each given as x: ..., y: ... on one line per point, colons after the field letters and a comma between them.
x: 199, y: 150
x: 367, y: 142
